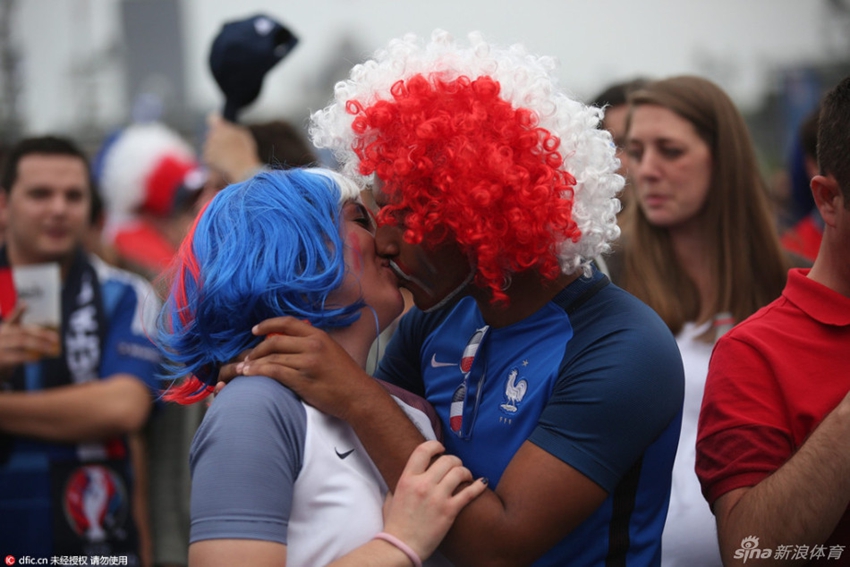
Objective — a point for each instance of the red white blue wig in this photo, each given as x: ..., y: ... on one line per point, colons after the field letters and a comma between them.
x: 480, y: 145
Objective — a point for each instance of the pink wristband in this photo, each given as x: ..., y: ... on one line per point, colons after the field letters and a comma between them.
x: 402, y: 546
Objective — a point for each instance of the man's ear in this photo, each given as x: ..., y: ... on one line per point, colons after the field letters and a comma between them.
x: 827, y: 195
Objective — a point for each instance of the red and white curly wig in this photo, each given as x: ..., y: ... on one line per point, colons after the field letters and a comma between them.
x: 478, y: 145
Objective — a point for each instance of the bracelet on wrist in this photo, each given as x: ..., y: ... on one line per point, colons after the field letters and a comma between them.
x: 389, y: 538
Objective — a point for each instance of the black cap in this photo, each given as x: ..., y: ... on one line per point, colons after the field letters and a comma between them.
x: 241, y: 55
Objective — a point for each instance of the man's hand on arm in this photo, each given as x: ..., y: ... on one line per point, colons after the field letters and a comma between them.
x: 539, y: 499
x: 801, y: 502
x: 95, y: 410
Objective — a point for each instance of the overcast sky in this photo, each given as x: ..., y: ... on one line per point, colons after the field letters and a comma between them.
x: 740, y: 44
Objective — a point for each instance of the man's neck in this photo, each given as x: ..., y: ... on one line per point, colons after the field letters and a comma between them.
x: 831, y: 267
x: 527, y: 293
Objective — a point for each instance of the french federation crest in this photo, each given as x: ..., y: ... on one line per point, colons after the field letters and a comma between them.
x: 514, y: 392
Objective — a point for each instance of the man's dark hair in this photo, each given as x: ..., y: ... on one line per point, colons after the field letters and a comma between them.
x: 47, y: 145
x: 281, y: 145
x: 618, y: 93
x: 809, y: 134
x: 834, y: 136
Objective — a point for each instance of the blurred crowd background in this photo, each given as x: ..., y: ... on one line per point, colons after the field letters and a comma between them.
x: 86, y: 67
x: 89, y: 69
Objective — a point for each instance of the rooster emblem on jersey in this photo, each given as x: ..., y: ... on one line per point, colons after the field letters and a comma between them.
x: 514, y: 391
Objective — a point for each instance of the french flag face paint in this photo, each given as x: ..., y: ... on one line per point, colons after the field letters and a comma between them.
x: 356, y: 252
x: 464, y: 406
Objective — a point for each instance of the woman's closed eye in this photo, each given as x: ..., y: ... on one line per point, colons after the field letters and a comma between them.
x: 359, y: 214
x: 671, y: 152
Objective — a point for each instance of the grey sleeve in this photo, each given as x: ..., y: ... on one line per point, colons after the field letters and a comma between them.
x: 244, y: 460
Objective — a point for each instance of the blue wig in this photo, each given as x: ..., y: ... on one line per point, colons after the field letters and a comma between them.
x: 267, y: 247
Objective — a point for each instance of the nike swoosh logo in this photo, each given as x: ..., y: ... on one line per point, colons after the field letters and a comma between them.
x: 343, y: 455
x: 435, y: 364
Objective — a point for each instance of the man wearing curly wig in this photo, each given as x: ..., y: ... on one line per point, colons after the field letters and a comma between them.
x: 496, y: 191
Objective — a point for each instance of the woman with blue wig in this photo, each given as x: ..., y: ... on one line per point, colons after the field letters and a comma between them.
x: 275, y: 481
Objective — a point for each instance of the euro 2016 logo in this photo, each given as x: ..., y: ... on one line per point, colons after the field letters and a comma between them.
x: 750, y: 550
x: 95, y: 502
